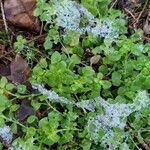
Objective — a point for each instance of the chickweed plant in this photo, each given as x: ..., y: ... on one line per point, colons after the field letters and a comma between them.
x: 79, y: 105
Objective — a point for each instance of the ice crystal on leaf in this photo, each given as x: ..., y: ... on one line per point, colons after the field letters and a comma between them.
x: 142, y: 100
x: 114, y: 116
x: 52, y: 96
x: 6, y: 134
x: 16, y: 148
x: 68, y: 16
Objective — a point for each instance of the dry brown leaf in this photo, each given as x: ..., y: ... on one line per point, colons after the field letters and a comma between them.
x: 19, y: 70
x: 147, y: 24
x: 20, y: 13
x: 25, y: 110
x: 95, y: 59
x: 4, y: 70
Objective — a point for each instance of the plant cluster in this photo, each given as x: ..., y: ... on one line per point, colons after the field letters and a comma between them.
x: 90, y: 93
x: 27, y: 49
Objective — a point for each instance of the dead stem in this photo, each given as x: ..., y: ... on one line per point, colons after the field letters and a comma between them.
x: 3, y: 16
x: 139, y: 16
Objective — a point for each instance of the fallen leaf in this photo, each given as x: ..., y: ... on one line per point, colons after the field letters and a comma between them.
x: 25, y: 110
x: 94, y: 60
x: 4, y: 70
x: 20, y: 13
x: 147, y: 24
x: 19, y: 70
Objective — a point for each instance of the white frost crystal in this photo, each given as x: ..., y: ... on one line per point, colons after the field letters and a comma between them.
x: 141, y: 100
x: 16, y: 148
x: 6, y: 134
x: 125, y: 146
x: 52, y: 96
x: 114, y: 115
x: 68, y: 16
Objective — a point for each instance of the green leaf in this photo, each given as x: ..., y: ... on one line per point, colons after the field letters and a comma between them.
x: 36, y: 105
x: 48, y: 44
x: 31, y: 131
x: 2, y: 122
x: 72, y: 38
x: 54, y: 119
x: 74, y: 60
x: 86, y: 144
x: 97, y: 50
x: 3, y: 103
x: 116, y: 78
x: 31, y: 119
x: 3, y: 82
x: 100, y: 75
x: 9, y: 86
x: 14, y: 107
x: 88, y: 71
x: 14, y: 128
x: 21, y: 89
x: 20, y: 44
x: 113, y: 57
x: 66, y: 137
x: 106, y: 84
x: 43, y: 63
x: 56, y: 57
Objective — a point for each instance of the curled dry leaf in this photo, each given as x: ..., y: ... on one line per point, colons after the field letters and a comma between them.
x: 95, y: 59
x: 20, y: 13
x: 147, y: 24
x: 19, y: 70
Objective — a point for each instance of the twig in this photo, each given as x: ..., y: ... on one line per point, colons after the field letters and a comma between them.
x: 5, y: 23
x: 130, y: 13
x: 41, y: 30
x: 7, y: 53
x: 134, y: 143
x: 113, y: 4
x: 36, y: 37
x: 138, y: 18
x: 3, y: 16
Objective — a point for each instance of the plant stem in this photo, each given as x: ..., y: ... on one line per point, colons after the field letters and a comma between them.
x: 61, y: 130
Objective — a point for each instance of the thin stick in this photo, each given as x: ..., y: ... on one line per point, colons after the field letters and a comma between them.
x: 138, y: 18
x: 3, y: 16
x: 114, y: 3
x: 130, y: 13
x: 41, y: 30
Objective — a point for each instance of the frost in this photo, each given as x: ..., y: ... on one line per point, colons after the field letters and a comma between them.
x: 114, y: 115
x: 16, y: 148
x: 25, y: 144
x: 68, y: 16
x: 142, y: 100
x: 6, y: 134
x: 87, y: 104
x: 125, y: 146
x: 52, y: 96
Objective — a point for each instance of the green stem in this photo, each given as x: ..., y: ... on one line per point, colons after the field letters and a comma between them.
x: 14, y: 121
x: 135, y: 143
x: 22, y: 96
x: 51, y: 106
x: 61, y: 130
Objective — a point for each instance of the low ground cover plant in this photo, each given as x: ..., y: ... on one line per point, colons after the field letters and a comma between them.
x: 91, y: 92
